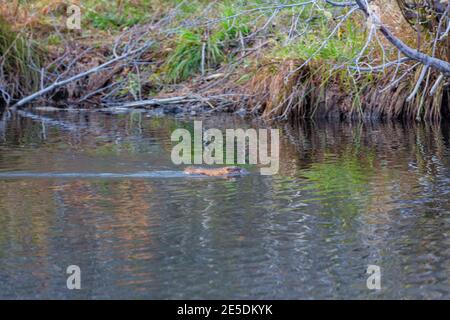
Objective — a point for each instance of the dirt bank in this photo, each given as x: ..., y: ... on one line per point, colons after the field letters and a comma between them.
x: 288, y: 63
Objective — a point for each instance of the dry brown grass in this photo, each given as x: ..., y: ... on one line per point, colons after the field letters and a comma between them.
x: 310, y: 93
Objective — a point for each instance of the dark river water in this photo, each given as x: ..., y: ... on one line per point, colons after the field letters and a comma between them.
x: 100, y: 191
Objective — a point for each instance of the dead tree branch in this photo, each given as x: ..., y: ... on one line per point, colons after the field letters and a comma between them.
x: 414, y: 54
x: 62, y: 83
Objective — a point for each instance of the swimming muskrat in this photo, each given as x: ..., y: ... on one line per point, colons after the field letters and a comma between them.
x: 215, y: 172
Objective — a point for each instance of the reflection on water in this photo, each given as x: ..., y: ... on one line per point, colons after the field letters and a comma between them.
x: 346, y: 196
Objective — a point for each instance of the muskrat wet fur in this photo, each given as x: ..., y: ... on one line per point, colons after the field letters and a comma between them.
x: 215, y: 172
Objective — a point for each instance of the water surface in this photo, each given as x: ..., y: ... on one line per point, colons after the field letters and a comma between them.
x: 99, y: 191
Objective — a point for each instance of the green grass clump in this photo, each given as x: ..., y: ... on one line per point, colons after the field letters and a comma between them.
x: 105, y: 21
x: 187, y: 56
x: 232, y: 27
x: 107, y: 15
x: 343, y: 47
x: 198, y: 49
x: 20, y: 62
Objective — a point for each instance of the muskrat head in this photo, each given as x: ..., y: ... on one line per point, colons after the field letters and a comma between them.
x: 231, y: 170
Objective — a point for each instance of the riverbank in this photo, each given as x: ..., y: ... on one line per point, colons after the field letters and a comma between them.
x: 280, y: 62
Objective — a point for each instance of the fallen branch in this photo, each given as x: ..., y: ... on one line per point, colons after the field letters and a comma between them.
x: 436, y: 85
x: 175, y: 100
x: 155, y: 102
x: 418, y: 84
x: 62, y: 83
